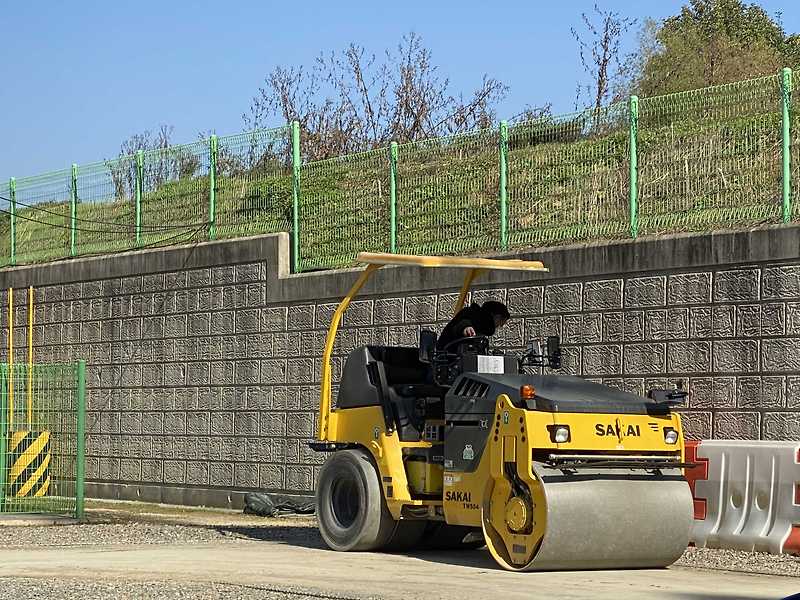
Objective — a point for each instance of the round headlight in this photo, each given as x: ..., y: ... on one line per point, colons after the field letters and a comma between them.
x: 561, y: 434
x: 670, y: 436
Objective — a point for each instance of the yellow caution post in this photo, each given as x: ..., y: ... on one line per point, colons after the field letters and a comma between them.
x: 28, y: 450
x: 10, y: 358
x: 29, y: 473
x: 30, y: 357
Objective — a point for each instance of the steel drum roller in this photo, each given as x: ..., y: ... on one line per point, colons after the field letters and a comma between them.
x: 591, y: 519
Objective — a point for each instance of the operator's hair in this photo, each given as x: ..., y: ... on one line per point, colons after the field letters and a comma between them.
x: 496, y: 308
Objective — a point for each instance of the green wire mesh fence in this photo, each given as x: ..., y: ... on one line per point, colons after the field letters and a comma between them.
x: 106, y: 206
x: 5, y: 224
x: 41, y: 439
x: 710, y: 158
x: 447, y: 194
x: 344, y: 209
x: 175, y: 194
x: 568, y: 177
x: 720, y: 157
x: 253, y: 183
x: 43, y: 225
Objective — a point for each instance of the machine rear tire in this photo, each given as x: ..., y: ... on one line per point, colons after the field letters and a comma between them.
x: 351, y: 511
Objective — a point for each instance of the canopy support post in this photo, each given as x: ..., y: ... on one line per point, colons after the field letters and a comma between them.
x: 468, y: 279
x: 325, y: 392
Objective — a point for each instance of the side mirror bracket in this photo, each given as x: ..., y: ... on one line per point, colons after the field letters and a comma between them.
x: 554, y: 351
x: 427, y: 345
x: 674, y: 396
x: 549, y: 357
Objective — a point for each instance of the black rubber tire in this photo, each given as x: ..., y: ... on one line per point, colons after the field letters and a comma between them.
x: 441, y: 536
x: 351, y: 512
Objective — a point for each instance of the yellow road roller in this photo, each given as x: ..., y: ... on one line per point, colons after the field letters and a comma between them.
x: 465, y: 446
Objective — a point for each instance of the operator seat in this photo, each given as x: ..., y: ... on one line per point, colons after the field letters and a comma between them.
x: 394, y: 378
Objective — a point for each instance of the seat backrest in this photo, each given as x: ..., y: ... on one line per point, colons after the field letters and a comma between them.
x: 398, y: 365
x: 355, y: 388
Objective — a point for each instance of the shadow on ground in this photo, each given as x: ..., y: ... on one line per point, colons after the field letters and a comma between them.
x: 713, y: 596
x: 303, y: 533
x: 295, y: 535
x: 308, y: 536
x: 473, y: 559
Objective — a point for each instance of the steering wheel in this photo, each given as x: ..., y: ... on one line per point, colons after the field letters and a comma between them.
x: 461, y: 340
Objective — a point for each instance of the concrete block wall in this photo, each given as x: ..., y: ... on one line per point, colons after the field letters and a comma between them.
x: 203, y: 362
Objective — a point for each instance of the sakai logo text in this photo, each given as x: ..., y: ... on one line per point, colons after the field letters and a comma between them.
x: 458, y: 496
x: 617, y: 430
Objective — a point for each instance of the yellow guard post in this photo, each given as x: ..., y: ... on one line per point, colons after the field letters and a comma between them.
x: 376, y: 260
x: 30, y: 357
x: 10, y: 359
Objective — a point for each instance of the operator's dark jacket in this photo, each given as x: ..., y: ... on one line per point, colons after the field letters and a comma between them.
x: 480, y: 319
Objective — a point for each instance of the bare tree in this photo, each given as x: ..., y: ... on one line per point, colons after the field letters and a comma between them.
x: 351, y: 101
x: 533, y: 113
x: 599, y: 50
x: 164, y: 162
x: 147, y: 141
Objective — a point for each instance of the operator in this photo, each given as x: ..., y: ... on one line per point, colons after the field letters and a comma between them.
x: 474, y: 320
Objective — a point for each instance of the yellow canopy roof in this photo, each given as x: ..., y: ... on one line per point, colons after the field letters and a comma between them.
x: 464, y: 262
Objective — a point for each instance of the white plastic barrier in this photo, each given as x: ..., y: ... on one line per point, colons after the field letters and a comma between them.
x: 751, y: 496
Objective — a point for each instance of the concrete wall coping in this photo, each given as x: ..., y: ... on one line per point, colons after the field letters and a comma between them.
x: 664, y: 254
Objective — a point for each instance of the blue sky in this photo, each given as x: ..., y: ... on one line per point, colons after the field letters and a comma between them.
x: 78, y: 78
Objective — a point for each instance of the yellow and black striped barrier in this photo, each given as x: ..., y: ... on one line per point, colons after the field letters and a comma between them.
x: 29, y: 463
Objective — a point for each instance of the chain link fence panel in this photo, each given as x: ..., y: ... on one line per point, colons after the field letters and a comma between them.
x: 448, y: 194
x: 344, y: 209
x: 106, y: 206
x: 5, y: 224
x: 175, y: 194
x: 710, y: 158
x: 254, y: 183
x: 39, y: 439
x: 568, y: 177
x: 43, y: 217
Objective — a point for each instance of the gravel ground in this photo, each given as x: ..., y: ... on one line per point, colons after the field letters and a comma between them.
x: 23, y: 588
x: 127, y: 526
x: 107, y: 527
x: 745, y: 562
x: 104, y: 534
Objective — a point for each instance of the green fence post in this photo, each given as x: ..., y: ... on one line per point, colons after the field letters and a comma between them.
x: 12, y: 192
x: 295, y: 197
x: 212, y: 192
x: 786, y: 95
x: 393, y: 197
x: 73, y: 212
x: 80, y: 458
x: 634, y: 169
x: 503, y: 185
x: 139, y: 185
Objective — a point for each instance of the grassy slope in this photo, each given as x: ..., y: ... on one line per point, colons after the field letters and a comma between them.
x: 692, y: 177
